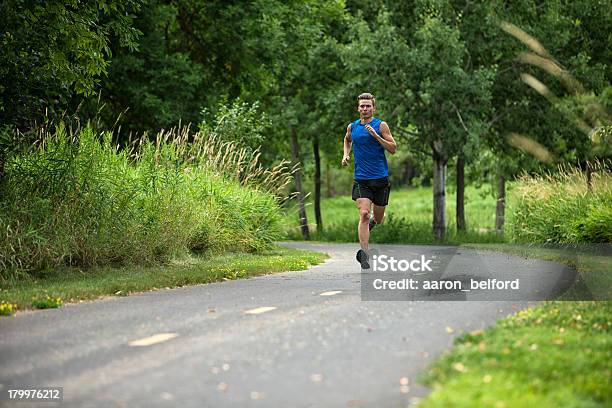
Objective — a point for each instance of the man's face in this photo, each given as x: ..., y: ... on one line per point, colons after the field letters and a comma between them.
x: 365, y: 108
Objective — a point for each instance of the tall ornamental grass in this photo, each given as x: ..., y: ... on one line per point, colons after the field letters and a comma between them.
x: 79, y: 200
x: 560, y: 208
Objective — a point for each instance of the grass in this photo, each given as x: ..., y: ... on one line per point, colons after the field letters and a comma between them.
x: 559, y: 208
x: 556, y: 354
x: 74, y: 284
x: 75, y: 199
x: 408, y: 218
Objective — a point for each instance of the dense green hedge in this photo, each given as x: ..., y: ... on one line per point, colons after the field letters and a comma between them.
x: 560, y: 209
x: 81, y: 201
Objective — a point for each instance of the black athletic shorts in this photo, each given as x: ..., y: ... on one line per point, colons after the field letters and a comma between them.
x: 377, y: 190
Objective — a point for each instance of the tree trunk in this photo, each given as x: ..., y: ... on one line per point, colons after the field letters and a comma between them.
x: 460, y: 215
x: 408, y: 173
x: 2, y: 161
x: 317, y: 181
x: 439, y: 199
x: 589, y: 176
x: 330, y: 191
x: 500, y: 209
x: 295, y: 148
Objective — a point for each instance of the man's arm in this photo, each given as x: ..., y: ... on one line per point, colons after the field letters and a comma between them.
x: 348, y: 142
x: 385, y: 140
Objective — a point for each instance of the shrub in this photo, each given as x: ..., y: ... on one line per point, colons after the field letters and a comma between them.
x: 596, y: 226
x: 560, y: 208
x: 79, y: 200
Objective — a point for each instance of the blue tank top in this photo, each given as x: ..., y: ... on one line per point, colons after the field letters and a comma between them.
x: 370, y: 159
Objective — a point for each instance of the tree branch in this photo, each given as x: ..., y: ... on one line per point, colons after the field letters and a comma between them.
x: 413, y: 147
x: 460, y: 118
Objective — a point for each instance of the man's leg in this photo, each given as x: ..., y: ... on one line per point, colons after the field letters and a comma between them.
x: 363, y: 231
x: 379, y: 214
x: 380, y: 201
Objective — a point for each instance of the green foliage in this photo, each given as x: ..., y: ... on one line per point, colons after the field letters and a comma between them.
x: 444, y: 71
x: 50, y: 50
x: 78, y: 200
x: 156, y: 86
x: 424, y: 79
x: 238, y: 122
x: 559, y: 208
x: 596, y: 226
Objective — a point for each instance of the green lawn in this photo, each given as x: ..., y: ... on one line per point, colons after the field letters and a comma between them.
x: 556, y: 354
x: 409, y: 218
x: 73, y: 284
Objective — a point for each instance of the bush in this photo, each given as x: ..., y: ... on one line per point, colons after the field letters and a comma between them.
x: 236, y: 122
x: 560, y: 208
x: 79, y: 200
x: 597, y: 227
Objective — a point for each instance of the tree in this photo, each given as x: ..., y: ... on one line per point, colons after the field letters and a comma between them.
x: 322, y: 79
x: 574, y: 31
x: 427, y: 82
x: 158, y: 85
x: 50, y: 50
x: 294, y: 35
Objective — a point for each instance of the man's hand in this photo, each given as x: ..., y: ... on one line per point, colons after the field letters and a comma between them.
x: 345, y: 160
x: 372, y: 132
x: 385, y: 140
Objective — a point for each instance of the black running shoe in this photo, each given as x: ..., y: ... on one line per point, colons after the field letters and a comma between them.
x: 372, y: 223
x: 362, y: 258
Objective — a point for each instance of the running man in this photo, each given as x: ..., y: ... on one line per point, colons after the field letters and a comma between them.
x: 370, y: 137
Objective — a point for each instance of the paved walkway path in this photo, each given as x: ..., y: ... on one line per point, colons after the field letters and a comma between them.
x: 295, y: 339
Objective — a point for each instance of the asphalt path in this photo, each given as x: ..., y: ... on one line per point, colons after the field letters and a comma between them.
x: 294, y: 339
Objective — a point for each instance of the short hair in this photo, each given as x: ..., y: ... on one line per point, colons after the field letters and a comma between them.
x: 367, y: 96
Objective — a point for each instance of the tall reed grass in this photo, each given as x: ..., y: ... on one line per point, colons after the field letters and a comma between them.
x: 561, y: 208
x: 77, y: 199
